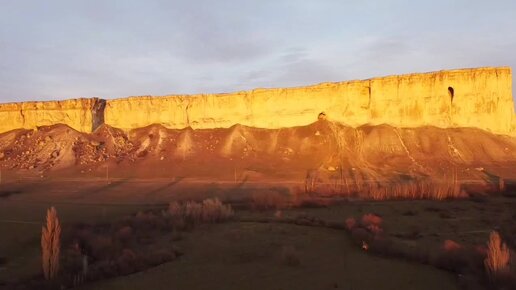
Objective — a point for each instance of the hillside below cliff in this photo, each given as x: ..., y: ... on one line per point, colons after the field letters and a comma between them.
x: 327, y: 150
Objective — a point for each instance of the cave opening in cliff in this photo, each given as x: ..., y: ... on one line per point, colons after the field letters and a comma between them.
x: 451, y: 93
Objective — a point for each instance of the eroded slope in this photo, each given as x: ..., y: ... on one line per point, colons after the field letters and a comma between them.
x: 330, y: 149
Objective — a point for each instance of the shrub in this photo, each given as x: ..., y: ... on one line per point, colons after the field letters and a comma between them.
x: 210, y: 210
x: 175, y: 210
x: 214, y: 211
x: 98, y: 251
x: 459, y: 259
x: 450, y: 246
x: 72, y: 259
x: 351, y: 223
x: 371, y: 219
x: 126, y: 262
x: 193, y: 211
x: 372, y: 223
x: 124, y: 234
x: 50, y: 244
x: 498, y: 256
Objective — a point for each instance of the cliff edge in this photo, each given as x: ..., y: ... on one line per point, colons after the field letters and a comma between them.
x: 479, y: 98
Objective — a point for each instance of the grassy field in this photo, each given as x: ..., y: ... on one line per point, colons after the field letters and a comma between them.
x: 249, y: 255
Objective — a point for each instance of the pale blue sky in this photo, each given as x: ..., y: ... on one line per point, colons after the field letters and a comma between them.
x: 68, y: 49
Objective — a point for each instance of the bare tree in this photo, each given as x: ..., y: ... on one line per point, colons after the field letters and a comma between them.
x: 50, y: 244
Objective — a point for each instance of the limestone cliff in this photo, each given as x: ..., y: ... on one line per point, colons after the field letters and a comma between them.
x: 80, y: 114
x: 480, y: 98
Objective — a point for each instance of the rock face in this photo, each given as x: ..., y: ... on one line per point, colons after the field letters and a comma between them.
x: 480, y: 98
x: 81, y: 114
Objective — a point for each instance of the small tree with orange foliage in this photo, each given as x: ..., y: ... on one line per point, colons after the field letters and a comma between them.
x: 50, y: 244
x: 498, y: 256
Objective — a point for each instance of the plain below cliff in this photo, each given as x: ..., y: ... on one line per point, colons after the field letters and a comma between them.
x: 327, y: 150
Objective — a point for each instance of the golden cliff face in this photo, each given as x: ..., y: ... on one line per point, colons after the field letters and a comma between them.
x: 79, y: 114
x: 479, y: 98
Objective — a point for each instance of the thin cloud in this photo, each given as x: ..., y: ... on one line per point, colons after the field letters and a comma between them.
x: 65, y: 49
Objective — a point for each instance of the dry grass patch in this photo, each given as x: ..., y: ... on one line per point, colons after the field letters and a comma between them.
x: 449, y: 189
x: 208, y: 211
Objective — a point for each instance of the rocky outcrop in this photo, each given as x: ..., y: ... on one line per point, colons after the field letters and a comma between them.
x: 81, y: 114
x: 480, y: 98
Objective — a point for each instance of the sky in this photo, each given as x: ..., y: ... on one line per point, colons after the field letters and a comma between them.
x: 115, y: 48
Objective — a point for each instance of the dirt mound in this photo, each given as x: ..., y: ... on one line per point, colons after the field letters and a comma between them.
x: 322, y: 149
x: 42, y: 149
